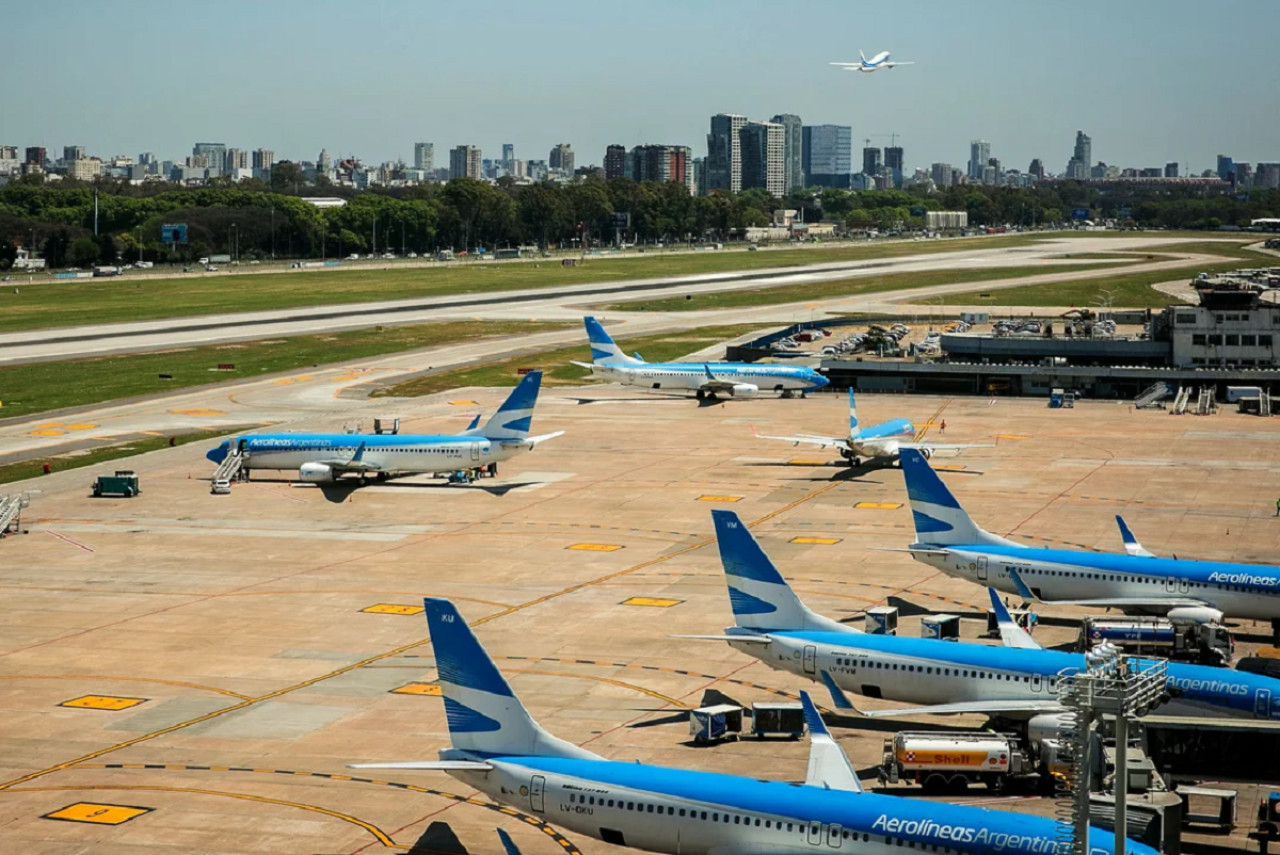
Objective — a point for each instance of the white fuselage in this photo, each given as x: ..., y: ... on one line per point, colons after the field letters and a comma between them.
x: 460, y: 453
x: 693, y: 378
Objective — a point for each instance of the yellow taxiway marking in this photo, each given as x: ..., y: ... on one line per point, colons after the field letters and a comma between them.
x: 881, y: 506
x: 806, y: 463
x: 719, y: 498
x: 199, y: 412
x: 98, y: 813
x: 102, y: 702
x: 463, y: 403
x: 595, y: 547
x: 1011, y: 436
x: 656, y: 602
x: 417, y: 689
x: 86, y: 426
x: 392, y: 609
x: 817, y: 541
x: 48, y: 432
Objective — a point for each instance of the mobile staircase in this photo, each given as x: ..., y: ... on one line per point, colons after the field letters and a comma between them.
x: 1207, y: 403
x: 230, y: 467
x: 1153, y: 396
x: 11, y: 512
x: 1181, y: 400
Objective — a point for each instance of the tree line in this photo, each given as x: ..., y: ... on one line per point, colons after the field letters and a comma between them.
x: 261, y: 220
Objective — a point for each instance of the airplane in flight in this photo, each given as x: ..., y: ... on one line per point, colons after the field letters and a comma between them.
x: 1203, y: 591
x: 497, y: 748
x: 707, y: 380
x: 325, y: 457
x: 1016, y: 681
x: 879, y: 443
x: 876, y: 63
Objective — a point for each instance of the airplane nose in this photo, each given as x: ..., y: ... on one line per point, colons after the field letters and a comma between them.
x: 218, y: 453
x: 819, y: 381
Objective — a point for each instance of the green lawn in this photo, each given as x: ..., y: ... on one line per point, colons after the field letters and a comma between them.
x: 557, y: 363
x: 76, y: 460
x: 836, y: 289
x: 52, y: 303
x: 42, y: 386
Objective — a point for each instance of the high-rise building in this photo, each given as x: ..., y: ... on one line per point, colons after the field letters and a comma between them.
x: 659, y: 163
x: 35, y: 156
x: 1171, y: 169
x: 1267, y: 176
x: 465, y: 162
x: 827, y: 155
x: 762, y: 147
x: 871, y: 162
x: 71, y: 153
x: 893, y: 163
x: 940, y: 173
x: 615, y: 161
x: 1079, y: 166
x: 1226, y: 166
x: 237, y: 158
x: 8, y: 152
x: 508, y: 152
x: 263, y: 159
x: 217, y: 155
x: 792, y: 149
x: 1036, y: 169
x: 561, y: 157
x: 979, y: 154
x: 324, y: 163
x: 424, y: 155
x: 724, y: 152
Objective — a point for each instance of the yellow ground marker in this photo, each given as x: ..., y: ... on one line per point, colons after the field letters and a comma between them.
x: 97, y: 813
x: 392, y: 609
x: 463, y: 404
x: 881, y: 506
x: 806, y: 463
x: 1011, y: 436
x: 199, y: 412
x: 817, y: 541
x: 654, y: 602
x: 87, y: 426
x: 102, y: 702
x: 719, y: 498
x: 595, y: 547
x: 48, y: 432
x: 949, y: 467
x: 417, y: 689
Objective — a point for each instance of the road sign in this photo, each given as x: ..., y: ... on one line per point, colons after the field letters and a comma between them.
x: 173, y: 233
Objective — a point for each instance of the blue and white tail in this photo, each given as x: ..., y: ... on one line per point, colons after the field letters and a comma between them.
x: 854, y: 430
x: 604, y: 351
x: 485, y: 717
x: 514, y: 418
x: 938, y: 517
x: 762, y: 600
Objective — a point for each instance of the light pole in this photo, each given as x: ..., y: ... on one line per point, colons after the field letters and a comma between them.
x: 273, y: 233
x: 235, y: 243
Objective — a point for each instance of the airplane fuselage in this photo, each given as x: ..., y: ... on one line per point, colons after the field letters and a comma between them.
x: 881, y: 441
x: 661, y: 809
x: 1237, y: 590
x: 692, y: 376
x: 925, y: 672
x: 392, y: 453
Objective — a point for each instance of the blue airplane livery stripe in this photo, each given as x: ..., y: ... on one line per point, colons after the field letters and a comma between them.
x: 892, y: 428
x: 1257, y: 577
x: 745, y: 604
x: 454, y: 645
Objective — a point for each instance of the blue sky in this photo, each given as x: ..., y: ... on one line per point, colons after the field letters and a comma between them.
x: 1148, y: 80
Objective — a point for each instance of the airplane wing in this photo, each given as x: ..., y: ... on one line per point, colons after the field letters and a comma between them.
x: 1116, y: 602
x: 892, y: 64
x: 842, y: 702
x: 750, y: 639
x: 1131, y: 544
x: 945, y: 446
x: 533, y: 441
x: 355, y: 464
x: 820, y: 441
x: 429, y: 765
x: 846, y: 64
x: 1010, y: 633
x: 715, y: 384
x: 829, y: 766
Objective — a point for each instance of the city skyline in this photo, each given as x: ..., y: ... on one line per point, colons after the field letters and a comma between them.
x: 1028, y: 94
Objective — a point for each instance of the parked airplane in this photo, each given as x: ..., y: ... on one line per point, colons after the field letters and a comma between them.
x: 497, y: 748
x: 1019, y: 680
x: 947, y: 538
x: 880, y: 443
x: 325, y: 457
x: 877, y: 62
x: 707, y: 379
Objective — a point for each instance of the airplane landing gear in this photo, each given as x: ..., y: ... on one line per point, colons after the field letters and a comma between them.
x: 701, y: 395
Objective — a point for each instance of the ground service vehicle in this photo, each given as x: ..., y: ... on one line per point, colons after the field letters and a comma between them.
x: 950, y: 762
x: 123, y: 483
x: 1177, y: 640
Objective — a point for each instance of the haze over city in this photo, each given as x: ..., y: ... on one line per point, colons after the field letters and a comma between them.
x: 1150, y: 81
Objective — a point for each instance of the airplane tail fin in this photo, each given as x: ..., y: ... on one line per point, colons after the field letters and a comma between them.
x: 761, y: 599
x: 514, y: 418
x: 938, y: 517
x: 854, y: 430
x: 604, y: 351
x: 485, y: 717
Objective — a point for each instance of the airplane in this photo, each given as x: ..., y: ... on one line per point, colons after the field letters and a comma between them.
x: 707, y: 379
x: 325, y: 457
x: 1017, y: 681
x: 877, y: 62
x: 880, y: 443
x: 496, y: 747
x: 1202, y: 591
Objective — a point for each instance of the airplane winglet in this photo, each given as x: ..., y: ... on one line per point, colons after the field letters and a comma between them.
x: 508, y: 845
x: 1021, y: 586
x: 475, y: 423
x: 1131, y: 544
x: 838, y: 698
x: 829, y: 766
x: 1010, y: 633
x: 358, y: 457
x: 707, y: 368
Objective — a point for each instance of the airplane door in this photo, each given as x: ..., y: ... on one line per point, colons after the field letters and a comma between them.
x: 982, y: 568
x: 536, y: 785
x: 1183, y: 586
x: 810, y: 659
x: 1262, y: 704
x: 1037, y: 683
x: 834, y: 836
x: 1171, y: 585
x: 475, y: 452
x: 815, y: 833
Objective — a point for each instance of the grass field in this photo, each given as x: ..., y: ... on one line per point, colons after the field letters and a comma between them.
x: 557, y: 363
x: 51, y: 303
x: 42, y: 386
x: 79, y: 459
x: 839, y: 288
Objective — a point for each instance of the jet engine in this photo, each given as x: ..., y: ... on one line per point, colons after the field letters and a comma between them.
x: 315, y: 473
x: 744, y: 390
x: 1195, y: 614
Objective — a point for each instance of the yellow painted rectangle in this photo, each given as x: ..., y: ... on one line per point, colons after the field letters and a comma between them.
x: 595, y: 547
x: 817, y: 541
x: 462, y: 403
x: 98, y: 813
x: 949, y: 467
x: 102, y: 702
x: 880, y: 506
x: 1011, y: 436
x: 417, y: 689
x: 392, y: 609
x: 719, y: 498
x: 654, y: 602
x: 806, y: 463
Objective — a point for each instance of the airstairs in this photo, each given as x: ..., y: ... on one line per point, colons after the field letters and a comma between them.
x: 11, y: 512
x: 1180, y: 402
x: 1207, y: 403
x: 229, y: 468
x: 1153, y: 395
